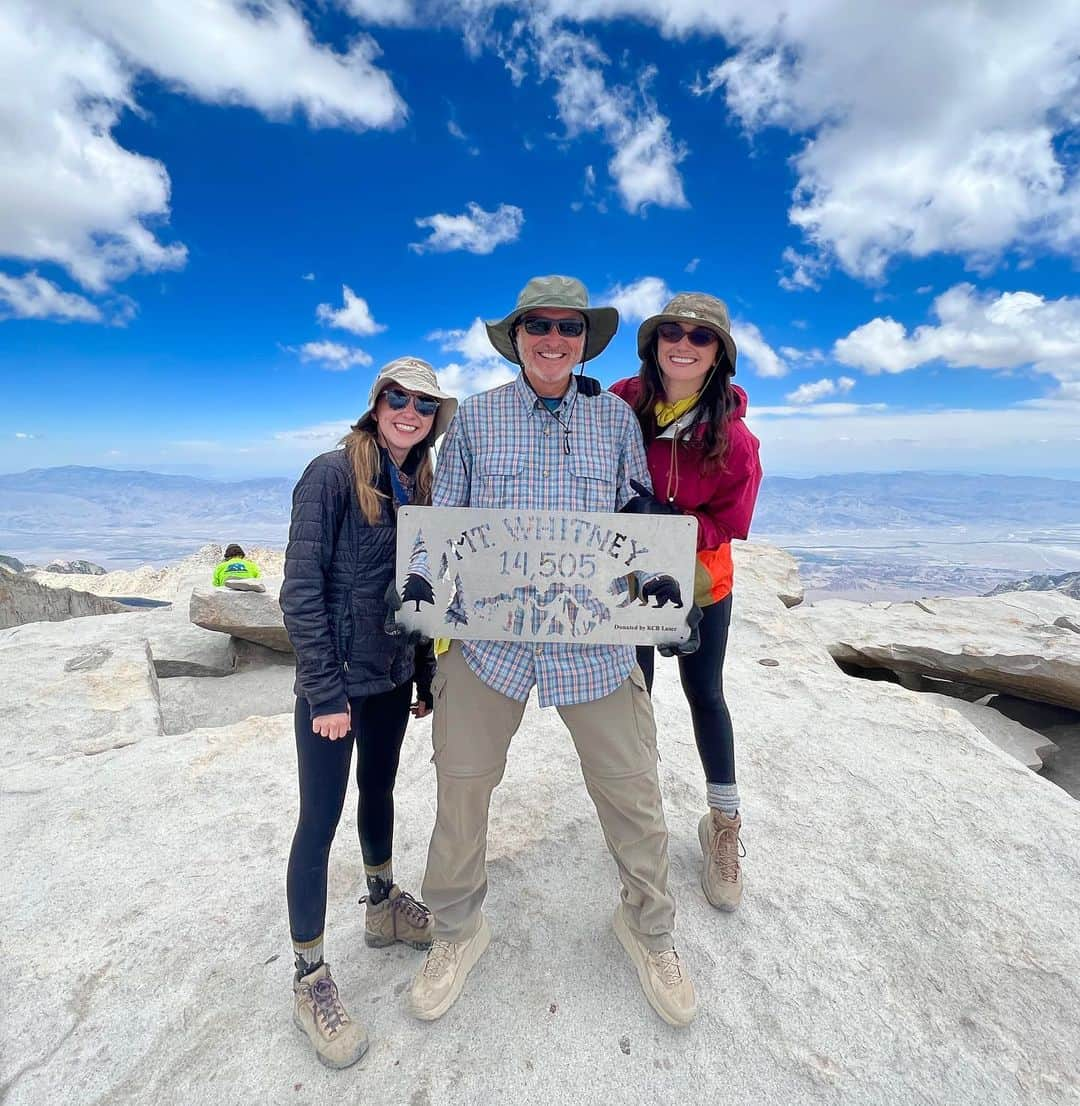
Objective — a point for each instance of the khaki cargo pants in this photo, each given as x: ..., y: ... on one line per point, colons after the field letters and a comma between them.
x: 616, y: 742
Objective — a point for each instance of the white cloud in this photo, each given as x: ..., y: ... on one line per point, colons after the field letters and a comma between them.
x: 390, y: 13
x: 34, y: 297
x: 1026, y: 438
x: 976, y: 330
x: 70, y: 194
x: 333, y: 355
x: 477, y: 231
x: 692, y: 264
x: 752, y: 347
x: 456, y: 131
x: 639, y: 299
x: 645, y: 162
x: 308, y: 276
x: 323, y: 433
x: 23, y: 436
x: 820, y: 389
x: 355, y: 316
x: 473, y: 343
x: 483, y: 367
x: 963, y: 161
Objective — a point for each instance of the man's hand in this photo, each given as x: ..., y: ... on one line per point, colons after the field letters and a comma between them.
x: 685, y: 648
x: 645, y: 503
x: 333, y: 726
x: 665, y: 589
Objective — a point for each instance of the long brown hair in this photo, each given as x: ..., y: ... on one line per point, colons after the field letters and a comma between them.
x: 715, y: 407
x: 362, y: 447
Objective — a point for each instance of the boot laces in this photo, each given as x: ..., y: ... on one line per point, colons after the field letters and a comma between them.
x: 728, y: 849
x: 329, y: 1012
x: 668, y: 967
x: 438, y: 958
x: 414, y: 910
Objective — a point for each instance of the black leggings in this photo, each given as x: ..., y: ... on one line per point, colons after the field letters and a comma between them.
x: 378, y: 727
x: 702, y: 675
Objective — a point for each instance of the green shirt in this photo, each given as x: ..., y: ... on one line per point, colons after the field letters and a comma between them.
x: 235, y: 569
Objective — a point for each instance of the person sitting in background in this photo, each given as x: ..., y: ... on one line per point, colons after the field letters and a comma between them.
x: 237, y: 567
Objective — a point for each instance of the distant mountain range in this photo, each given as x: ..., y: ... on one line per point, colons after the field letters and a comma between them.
x: 1068, y: 583
x: 906, y: 500
x: 843, y: 528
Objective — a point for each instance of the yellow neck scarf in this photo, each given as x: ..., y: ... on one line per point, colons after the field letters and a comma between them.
x: 667, y: 413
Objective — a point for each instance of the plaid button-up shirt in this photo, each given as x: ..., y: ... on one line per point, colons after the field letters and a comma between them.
x: 505, y: 450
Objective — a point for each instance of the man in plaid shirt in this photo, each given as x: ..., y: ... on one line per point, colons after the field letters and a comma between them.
x: 546, y: 441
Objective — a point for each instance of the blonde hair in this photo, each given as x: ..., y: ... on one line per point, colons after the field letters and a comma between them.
x: 362, y: 449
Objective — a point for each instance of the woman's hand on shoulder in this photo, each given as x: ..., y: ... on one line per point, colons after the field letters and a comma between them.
x: 332, y: 726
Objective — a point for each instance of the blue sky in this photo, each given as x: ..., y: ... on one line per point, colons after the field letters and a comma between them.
x: 217, y: 219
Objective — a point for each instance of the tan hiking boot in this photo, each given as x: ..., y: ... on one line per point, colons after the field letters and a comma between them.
x: 439, y: 982
x: 663, y: 978
x: 399, y: 917
x: 317, y: 1011
x: 721, y: 878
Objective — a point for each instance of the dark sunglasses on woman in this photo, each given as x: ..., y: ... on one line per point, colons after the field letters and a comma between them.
x: 399, y: 400
x: 568, y: 328
x: 699, y: 336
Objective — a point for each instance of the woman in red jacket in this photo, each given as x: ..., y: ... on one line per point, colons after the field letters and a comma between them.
x: 704, y: 462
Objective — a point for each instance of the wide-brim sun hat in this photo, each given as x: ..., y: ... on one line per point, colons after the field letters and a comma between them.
x: 694, y: 308
x: 414, y: 375
x: 556, y: 291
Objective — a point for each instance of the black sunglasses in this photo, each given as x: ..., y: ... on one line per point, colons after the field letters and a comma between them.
x: 568, y: 328
x: 699, y: 336
x: 399, y: 400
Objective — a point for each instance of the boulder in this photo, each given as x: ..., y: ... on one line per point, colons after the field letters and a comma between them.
x: 187, y: 703
x: 73, y: 695
x: 1008, y: 643
x: 74, y: 568
x: 12, y: 564
x: 769, y: 566
x: 882, y: 952
x: 23, y: 600
x: 252, y: 616
x: 1029, y: 747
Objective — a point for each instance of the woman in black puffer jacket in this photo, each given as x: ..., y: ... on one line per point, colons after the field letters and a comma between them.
x: 353, y: 679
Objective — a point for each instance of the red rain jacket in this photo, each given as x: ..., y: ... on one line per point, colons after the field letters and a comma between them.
x: 722, y: 500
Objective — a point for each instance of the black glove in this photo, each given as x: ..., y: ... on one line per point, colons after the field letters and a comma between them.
x: 645, y: 503
x: 685, y: 648
x: 417, y: 590
x: 665, y: 589
x: 391, y: 624
x: 424, y: 658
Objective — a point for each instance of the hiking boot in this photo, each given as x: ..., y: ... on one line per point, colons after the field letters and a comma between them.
x: 399, y: 917
x: 439, y: 982
x: 317, y: 1011
x: 721, y: 878
x: 663, y: 979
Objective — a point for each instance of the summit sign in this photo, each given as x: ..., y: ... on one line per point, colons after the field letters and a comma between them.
x: 490, y: 575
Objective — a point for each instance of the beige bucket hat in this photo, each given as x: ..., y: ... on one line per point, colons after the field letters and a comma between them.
x: 694, y: 308
x: 556, y: 291
x: 414, y: 375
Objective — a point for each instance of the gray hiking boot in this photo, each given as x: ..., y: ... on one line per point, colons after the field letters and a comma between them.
x: 439, y: 982
x: 317, y: 1011
x: 662, y: 975
x: 721, y: 877
x: 399, y: 917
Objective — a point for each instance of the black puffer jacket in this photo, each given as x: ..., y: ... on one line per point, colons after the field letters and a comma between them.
x: 337, y: 568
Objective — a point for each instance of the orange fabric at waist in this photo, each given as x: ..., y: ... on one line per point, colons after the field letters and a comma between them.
x: 713, y: 575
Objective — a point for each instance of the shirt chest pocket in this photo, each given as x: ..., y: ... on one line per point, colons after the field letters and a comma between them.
x: 595, y: 480
x: 502, y: 479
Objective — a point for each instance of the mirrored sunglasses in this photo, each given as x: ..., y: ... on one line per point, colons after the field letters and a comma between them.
x: 568, y: 328
x: 699, y: 336
x: 399, y: 400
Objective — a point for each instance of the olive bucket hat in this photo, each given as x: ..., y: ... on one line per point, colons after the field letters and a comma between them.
x: 556, y: 291
x: 416, y: 376
x: 692, y: 308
